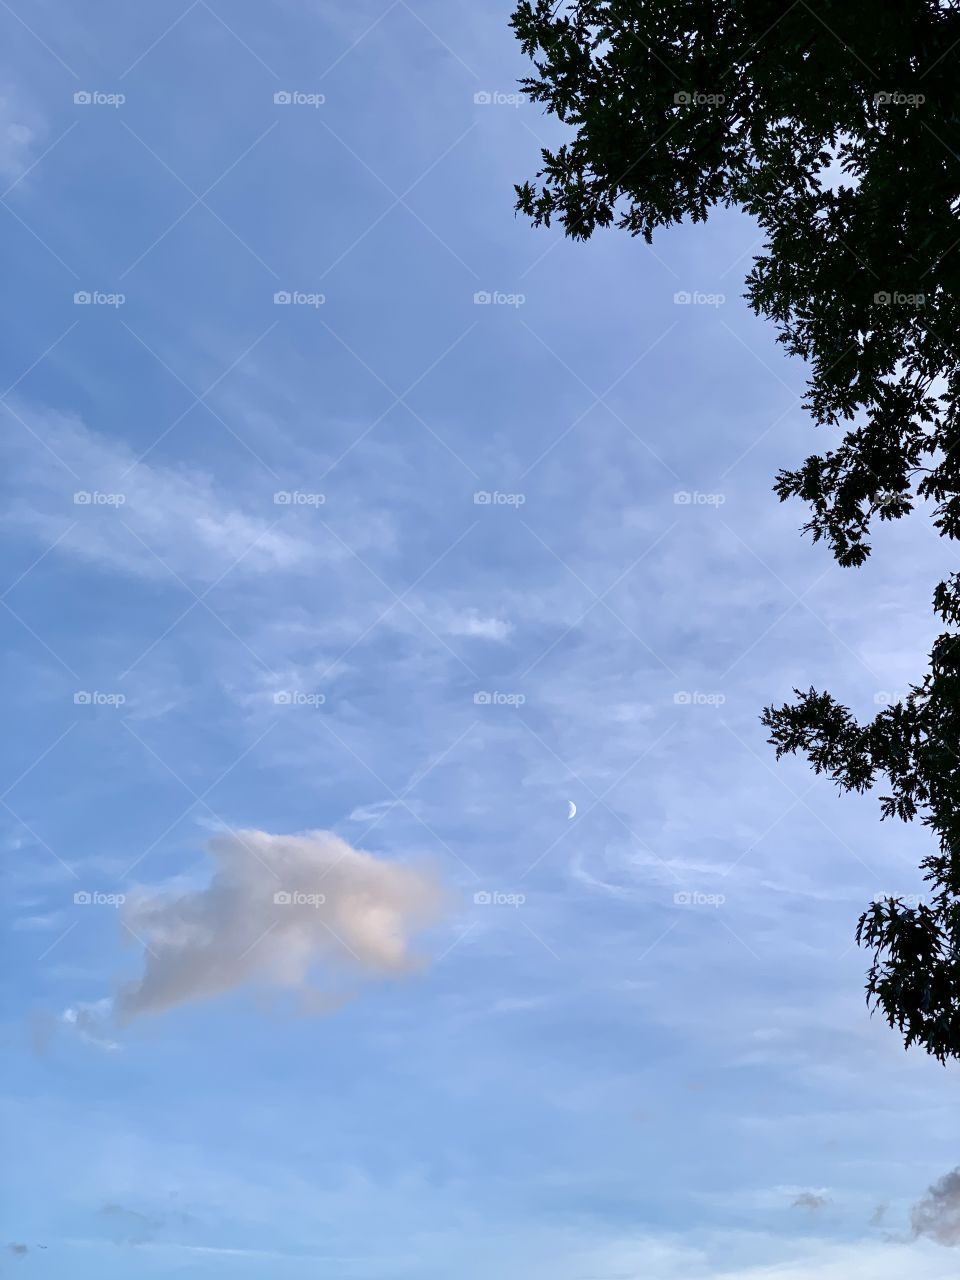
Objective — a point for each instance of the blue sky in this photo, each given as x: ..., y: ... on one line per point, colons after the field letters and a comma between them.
x: 629, y: 1043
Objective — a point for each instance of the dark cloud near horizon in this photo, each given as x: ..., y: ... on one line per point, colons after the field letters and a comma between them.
x: 937, y: 1215
x: 131, y: 1227
x: 810, y: 1200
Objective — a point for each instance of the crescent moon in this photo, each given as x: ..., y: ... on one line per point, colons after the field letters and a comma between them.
x: 573, y: 810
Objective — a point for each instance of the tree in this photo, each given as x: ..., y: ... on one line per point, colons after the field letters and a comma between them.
x: 837, y: 127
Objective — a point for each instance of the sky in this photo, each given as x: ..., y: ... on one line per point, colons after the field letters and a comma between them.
x: 397, y: 879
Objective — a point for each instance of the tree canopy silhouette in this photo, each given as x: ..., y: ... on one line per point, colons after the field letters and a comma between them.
x: 836, y: 125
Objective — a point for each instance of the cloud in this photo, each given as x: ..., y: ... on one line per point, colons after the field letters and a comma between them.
x: 811, y: 1200
x: 475, y: 626
x: 49, y: 920
x: 95, y: 498
x: 937, y: 1215
x: 16, y: 136
x: 276, y: 907
x: 130, y: 1226
x: 89, y: 1021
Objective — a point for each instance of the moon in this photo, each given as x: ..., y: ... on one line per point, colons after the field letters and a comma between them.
x: 573, y: 810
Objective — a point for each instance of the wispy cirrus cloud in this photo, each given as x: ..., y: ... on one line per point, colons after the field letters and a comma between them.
x: 103, y: 503
x: 18, y: 133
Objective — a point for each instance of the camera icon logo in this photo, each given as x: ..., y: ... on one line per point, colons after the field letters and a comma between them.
x: 482, y: 298
x: 483, y: 98
x: 283, y: 98
x: 482, y: 899
x: 682, y: 98
x: 282, y: 898
x: 682, y: 698
x: 482, y: 698
x: 83, y: 898
x: 82, y: 298
x: 82, y: 98
x: 282, y: 298
x: 681, y: 297
x: 283, y: 698
x: 883, y: 298
x: 82, y: 699
x: 283, y: 498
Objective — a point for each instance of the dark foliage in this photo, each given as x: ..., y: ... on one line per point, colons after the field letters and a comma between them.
x: 837, y: 126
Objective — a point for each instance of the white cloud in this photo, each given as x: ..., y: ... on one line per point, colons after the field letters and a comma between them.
x: 47, y: 920
x: 471, y: 623
x: 141, y: 518
x: 16, y: 135
x: 276, y: 907
x: 88, y: 1020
